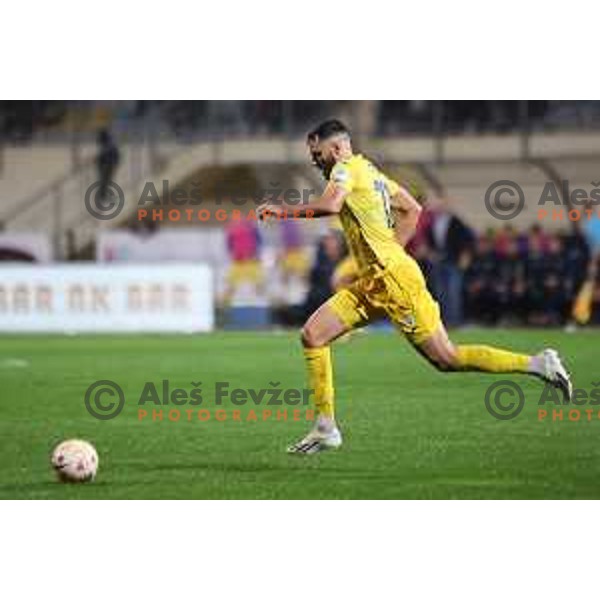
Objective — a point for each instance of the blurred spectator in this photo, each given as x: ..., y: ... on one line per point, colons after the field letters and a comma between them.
x: 107, y: 160
x: 480, y: 278
x: 506, y: 237
x: 243, y: 244
x: 503, y: 240
x: 451, y: 242
x: 538, y: 237
x: 536, y: 283
x: 576, y: 258
x: 555, y: 297
x: 591, y: 230
x: 594, y: 291
x: 330, y: 251
x: 293, y: 259
x: 510, y: 287
x: 418, y: 247
x: 536, y: 264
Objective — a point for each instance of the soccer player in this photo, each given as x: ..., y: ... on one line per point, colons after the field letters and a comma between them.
x: 378, y: 217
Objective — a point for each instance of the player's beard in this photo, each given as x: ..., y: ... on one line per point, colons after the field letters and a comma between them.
x: 324, y: 168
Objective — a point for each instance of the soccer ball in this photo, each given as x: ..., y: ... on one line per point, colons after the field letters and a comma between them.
x: 75, y: 461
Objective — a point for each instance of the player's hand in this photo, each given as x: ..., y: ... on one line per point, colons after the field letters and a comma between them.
x: 266, y: 210
x: 262, y: 211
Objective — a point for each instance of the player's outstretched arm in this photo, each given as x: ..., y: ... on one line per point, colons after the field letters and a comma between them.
x: 406, y: 211
x: 330, y: 203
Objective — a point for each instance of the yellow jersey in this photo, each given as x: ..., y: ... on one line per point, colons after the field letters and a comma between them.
x: 366, y: 215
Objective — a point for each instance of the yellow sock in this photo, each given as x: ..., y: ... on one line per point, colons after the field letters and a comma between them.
x: 320, y: 379
x: 492, y: 360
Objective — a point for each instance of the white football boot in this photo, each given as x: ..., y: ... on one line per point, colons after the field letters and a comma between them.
x: 555, y: 373
x: 317, y: 440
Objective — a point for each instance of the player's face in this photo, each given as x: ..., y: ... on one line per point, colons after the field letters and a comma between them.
x: 323, y: 155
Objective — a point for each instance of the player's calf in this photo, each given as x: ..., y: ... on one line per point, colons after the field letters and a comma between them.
x: 445, y: 356
x: 440, y: 354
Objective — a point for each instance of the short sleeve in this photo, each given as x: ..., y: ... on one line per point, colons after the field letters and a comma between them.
x: 342, y: 177
x: 392, y: 187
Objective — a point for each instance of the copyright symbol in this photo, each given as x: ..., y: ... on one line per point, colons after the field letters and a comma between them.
x: 500, y: 199
x: 102, y: 408
x: 104, y: 201
x: 503, y: 408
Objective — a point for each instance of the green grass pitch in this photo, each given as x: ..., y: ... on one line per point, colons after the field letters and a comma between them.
x: 410, y: 432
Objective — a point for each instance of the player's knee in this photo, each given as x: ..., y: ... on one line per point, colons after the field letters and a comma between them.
x: 310, y: 337
x: 446, y: 361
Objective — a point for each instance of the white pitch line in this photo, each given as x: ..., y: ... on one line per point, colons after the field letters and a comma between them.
x: 13, y: 363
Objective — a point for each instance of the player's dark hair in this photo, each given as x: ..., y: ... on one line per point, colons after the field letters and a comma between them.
x: 328, y: 129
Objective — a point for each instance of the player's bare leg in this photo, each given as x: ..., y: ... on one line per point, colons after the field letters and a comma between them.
x: 322, y: 328
x: 439, y: 350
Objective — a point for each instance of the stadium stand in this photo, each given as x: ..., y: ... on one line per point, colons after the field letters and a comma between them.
x: 466, y: 187
x: 232, y: 150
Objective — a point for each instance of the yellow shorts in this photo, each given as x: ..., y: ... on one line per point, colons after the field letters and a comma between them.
x: 398, y: 291
x: 245, y: 271
x: 345, y: 271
